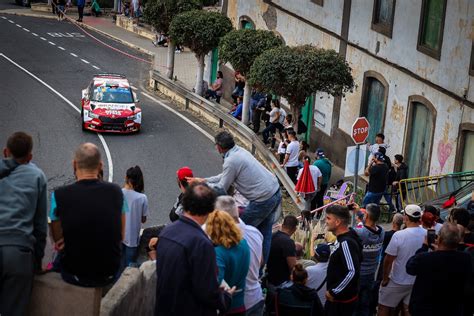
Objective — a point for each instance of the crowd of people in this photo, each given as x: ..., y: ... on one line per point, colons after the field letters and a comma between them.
x: 220, y: 254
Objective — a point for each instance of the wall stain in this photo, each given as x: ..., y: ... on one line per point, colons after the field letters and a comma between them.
x: 445, y: 147
x: 398, y: 112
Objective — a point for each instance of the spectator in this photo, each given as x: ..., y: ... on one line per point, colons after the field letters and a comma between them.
x: 274, y: 121
x: 374, y: 148
x: 95, y: 8
x: 282, y: 257
x: 216, y: 90
x: 232, y: 254
x: 135, y: 217
x: 182, y: 174
x: 288, y: 122
x: 317, y: 274
x: 325, y: 166
x: 360, y: 218
x: 253, y: 181
x: 344, y: 264
x: 372, y: 236
x: 391, y: 175
x: 282, y: 150
x: 257, y: 106
x: 441, y: 276
x: 291, y: 156
x: 253, y: 296
x: 60, y: 9
x: 239, y: 85
x: 317, y: 177
x: 89, y: 235
x: 428, y: 220
x: 462, y: 217
x: 396, y: 284
x: 377, y: 172
x: 401, y: 170
x: 186, y: 264
x: 300, y: 253
x: 23, y: 223
x: 80, y: 9
x: 435, y: 211
x: 237, y: 113
x: 298, y: 299
x: 304, y: 146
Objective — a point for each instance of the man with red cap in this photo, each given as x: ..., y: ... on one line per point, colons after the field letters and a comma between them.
x: 181, y: 174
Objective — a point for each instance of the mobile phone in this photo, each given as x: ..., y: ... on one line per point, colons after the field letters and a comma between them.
x: 431, y: 236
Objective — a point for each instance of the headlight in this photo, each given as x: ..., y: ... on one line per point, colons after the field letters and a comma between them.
x: 92, y: 115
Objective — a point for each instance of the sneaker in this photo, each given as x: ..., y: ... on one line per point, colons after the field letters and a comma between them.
x: 79, y: 20
x: 177, y: 51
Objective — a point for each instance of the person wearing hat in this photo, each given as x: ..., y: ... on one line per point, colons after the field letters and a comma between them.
x: 317, y: 273
x: 181, y: 175
x: 396, y: 283
x: 325, y: 166
x: 377, y: 171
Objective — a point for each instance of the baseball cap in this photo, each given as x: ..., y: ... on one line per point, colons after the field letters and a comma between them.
x: 184, y: 173
x: 322, y: 250
x: 379, y: 156
x: 413, y: 210
x: 320, y: 152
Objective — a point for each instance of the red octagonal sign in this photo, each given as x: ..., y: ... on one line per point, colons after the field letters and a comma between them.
x: 360, y: 130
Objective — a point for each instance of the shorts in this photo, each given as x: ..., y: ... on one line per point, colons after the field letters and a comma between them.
x: 392, y: 294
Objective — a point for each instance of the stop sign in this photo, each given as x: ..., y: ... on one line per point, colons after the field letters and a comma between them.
x: 360, y: 130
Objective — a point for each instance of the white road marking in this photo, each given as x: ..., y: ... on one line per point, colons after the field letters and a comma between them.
x: 52, y: 43
x: 85, y: 61
x: 34, y: 34
x: 180, y: 115
x: 102, y: 139
x: 3, y: 17
x: 72, y: 54
x: 61, y: 48
x: 26, y: 30
x: 44, y: 39
x: 95, y: 67
x: 134, y: 88
x: 11, y: 21
x: 18, y: 25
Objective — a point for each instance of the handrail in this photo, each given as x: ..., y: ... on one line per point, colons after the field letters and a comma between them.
x: 235, y: 126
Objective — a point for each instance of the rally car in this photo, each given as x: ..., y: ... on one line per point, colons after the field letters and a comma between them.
x: 109, y: 105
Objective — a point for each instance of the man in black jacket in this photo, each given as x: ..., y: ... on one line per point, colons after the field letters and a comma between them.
x: 186, y: 266
x: 344, y: 263
x: 401, y: 169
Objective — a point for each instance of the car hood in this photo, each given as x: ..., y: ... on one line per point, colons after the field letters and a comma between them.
x: 113, y: 109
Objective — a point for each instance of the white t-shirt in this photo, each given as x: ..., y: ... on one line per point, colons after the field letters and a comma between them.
x: 403, y: 245
x: 293, y: 150
x: 315, y: 174
x: 273, y: 114
x: 437, y: 228
x: 138, y: 207
x: 281, y: 120
x: 316, y: 276
x: 375, y: 148
x: 253, y: 290
x: 281, y: 149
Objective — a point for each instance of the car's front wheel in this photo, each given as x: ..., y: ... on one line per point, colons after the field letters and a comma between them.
x: 82, y: 120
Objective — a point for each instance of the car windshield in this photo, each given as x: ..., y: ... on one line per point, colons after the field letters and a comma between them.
x: 112, y: 95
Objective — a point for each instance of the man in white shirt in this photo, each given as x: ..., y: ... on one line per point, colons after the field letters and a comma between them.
x: 274, y: 122
x: 317, y: 273
x: 397, y: 284
x: 317, y: 180
x: 291, y: 158
x: 253, y: 299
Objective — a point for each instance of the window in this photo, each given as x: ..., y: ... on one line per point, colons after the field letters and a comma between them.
x: 419, y: 137
x: 471, y: 67
x: 464, y: 156
x: 430, y: 36
x: 382, y: 16
x: 318, y: 2
x: 373, y: 104
x: 246, y: 23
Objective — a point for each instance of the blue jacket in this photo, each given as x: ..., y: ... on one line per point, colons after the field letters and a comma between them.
x: 81, y: 2
x: 23, y: 207
x: 187, y: 272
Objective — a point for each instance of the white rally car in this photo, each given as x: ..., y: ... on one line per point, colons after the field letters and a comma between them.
x: 109, y: 105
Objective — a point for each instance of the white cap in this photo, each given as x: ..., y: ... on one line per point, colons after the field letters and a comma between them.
x: 413, y: 210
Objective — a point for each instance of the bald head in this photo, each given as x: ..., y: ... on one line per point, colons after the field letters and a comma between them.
x: 87, y: 157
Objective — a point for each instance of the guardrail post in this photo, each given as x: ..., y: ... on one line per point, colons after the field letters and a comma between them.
x: 186, y: 104
x: 221, y: 123
x: 254, y: 149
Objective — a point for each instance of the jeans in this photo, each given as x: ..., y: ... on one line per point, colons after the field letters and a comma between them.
x: 365, y: 294
x: 261, y: 215
x: 129, y: 257
x: 371, y: 197
x: 388, y: 197
x: 80, y: 11
x: 271, y: 128
x: 256, y: 310
x: 16, y: 279
x: 292, y: 172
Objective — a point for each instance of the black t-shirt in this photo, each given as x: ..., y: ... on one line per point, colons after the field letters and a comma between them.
x: 282, y: 247
x: 378, y: 178
x: 469, y: 238
x: 90, y: 212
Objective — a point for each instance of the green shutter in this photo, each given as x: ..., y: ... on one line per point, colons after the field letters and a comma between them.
x: 307, y: 116
x: 432, y: 23
x: 375, y: 108
x: 419, y: 145
x: 468, y: 150
x: 214, y: 65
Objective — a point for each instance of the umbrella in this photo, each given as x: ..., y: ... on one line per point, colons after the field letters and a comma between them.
x: 305, y: 184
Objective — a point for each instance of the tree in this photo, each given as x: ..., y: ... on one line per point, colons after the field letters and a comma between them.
x: 200, y: 31
x: 295, y: 73
x: 160, y: 13
x: 240, y: 48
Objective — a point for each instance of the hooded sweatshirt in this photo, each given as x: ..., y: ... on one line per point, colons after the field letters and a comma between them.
x: 23, y: 204
x: 372, y: 243
x: 344, y: 267
x: 300, y: 296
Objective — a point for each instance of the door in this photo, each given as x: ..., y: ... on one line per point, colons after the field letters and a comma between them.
x: 419, y: 143
x: 374, y: 107
x: 307, y: 116
x: 468, y: 150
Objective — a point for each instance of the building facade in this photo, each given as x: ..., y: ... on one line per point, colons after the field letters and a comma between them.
x: 412, y: 62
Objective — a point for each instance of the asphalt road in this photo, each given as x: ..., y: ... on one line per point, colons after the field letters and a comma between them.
x: 65, y: 58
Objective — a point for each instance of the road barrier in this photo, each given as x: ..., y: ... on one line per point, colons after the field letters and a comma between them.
x: 217, y: 114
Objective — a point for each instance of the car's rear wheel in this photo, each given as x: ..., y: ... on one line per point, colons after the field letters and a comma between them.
x: 82, y: 120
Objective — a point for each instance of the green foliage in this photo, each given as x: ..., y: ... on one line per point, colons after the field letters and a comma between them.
x: 297, y: 72
x: 199, y: 30
x: 160, y: 13
x: 241, y: 47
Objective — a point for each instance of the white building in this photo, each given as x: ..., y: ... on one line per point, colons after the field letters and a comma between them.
x: 412, y: 62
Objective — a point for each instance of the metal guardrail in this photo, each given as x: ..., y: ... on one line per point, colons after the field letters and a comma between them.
x: 236, y: 127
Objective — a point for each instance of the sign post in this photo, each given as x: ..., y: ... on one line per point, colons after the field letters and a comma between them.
x: 360, y: 132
